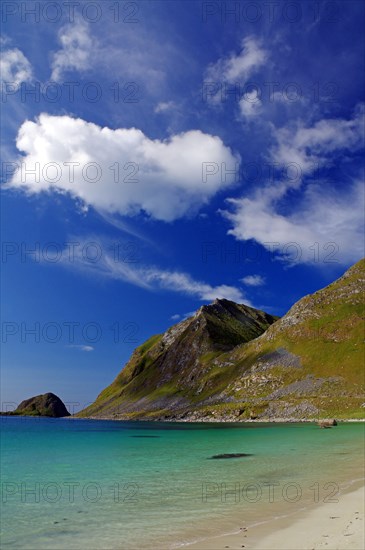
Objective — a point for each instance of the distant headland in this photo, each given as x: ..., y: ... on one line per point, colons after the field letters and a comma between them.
x: 47, y: 404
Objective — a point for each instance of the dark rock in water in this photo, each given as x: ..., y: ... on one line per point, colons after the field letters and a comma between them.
x: 231, y: 455
x: 327, y: 423
x: 47, y: 404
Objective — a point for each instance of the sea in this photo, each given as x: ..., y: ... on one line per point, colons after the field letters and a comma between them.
x: 95, y: 484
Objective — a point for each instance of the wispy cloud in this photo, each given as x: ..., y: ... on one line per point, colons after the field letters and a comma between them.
x: 253, y: 280
x: 238, y: 67
x: 321, y: 215
x: 324, y: 218
x: 182, y: 316
x: 77, y: 49
x: 122, y: 225
x: 81, y: 347
x: 313, y: 146
x: 15, y: 68
x: 250, y: 106
x: 150, y: 278
x: 165, y: 106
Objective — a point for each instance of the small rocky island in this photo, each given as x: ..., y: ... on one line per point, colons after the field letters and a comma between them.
x: 47, y: 404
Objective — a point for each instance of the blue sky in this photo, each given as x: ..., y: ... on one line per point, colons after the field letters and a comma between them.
x: 157, y: 155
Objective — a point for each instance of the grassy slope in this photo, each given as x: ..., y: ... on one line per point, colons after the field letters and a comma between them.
x: 158, y: 372
x: 324, y: 331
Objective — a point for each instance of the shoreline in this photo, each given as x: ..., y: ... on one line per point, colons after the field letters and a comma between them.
x: 330, y: 525
x: 315, y: 421
x: 278, y: 420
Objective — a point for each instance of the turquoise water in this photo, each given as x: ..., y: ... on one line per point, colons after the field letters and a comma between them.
x: 124, y: 485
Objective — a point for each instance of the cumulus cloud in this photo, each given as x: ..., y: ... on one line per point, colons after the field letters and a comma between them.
x: 121, y: 171
x: 15, y: 67
x: 253, y: 280
x: 150, y: 278
x: 76, y: 52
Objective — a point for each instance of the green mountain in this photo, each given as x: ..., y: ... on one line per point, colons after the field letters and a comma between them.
x: 232, y: 362
x: 176, y: 369
x: 47, y: 404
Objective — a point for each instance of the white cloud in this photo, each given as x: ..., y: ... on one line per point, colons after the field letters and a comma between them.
x: 148, y: 277
x: 76, y: 52
x: 122, y: 225
x: 4, y: 40
x: 253, y: 280
x: 183, y: 316
x: 162, y: 178
x: 286, y: 98
x: 314, y: 146
x: 81, y: 347
x: 182, y: 282
x: 237, y: 68
x: 164, y: 106
x: 15, y: 67
x: 323, y: 216
x: 250, y: 106
x: 140, y: 62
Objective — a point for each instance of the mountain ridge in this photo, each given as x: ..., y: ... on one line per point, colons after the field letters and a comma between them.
x: 231, y: 361
x: 170, y: 363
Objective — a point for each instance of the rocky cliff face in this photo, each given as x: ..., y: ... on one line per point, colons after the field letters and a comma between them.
x: 173, y: 370
x: 47, y: 404
x: 310, y: 363
x: 232, y: 362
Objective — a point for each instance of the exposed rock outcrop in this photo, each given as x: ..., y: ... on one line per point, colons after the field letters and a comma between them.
x: 47, y: 404
x: 233, y: 362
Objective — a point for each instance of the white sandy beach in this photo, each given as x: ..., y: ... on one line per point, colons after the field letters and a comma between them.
x: 330, y: 526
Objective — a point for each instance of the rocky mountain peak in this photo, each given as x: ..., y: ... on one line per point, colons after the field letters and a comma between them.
x: 231, y: 360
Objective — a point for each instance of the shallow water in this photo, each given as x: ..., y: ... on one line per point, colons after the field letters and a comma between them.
x: 122, y: 485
